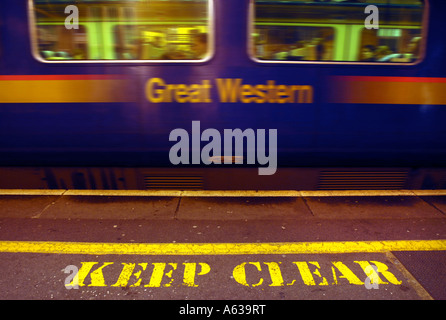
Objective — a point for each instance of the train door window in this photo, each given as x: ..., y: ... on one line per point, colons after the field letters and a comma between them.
x: 128, y: 31
x: 337, y: 31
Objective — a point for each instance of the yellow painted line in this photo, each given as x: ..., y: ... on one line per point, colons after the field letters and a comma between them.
x: 430, y: 192
x: 155, y: 193
x: 125, y: 193
x: 241, y: 193
x: 225, y: 193
x: 357, y: 193
x: 220, y: 248
x: 31, y: 192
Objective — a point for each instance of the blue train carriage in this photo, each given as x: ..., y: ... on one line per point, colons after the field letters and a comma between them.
x: 140, y: 94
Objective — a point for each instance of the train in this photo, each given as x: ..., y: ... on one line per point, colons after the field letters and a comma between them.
x: 209, y: 94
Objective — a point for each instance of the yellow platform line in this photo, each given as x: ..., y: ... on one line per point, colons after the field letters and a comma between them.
x: 92, y: 248
x: 224, y: 193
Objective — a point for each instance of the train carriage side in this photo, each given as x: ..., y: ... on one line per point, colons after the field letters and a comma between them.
x: 93, y: 106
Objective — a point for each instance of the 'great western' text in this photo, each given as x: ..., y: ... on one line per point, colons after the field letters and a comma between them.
x: 229, y: 90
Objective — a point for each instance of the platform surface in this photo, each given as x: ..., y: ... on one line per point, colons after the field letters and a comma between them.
x: 259, y: 246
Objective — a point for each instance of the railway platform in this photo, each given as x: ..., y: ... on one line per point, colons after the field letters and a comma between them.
x: 222, y: 246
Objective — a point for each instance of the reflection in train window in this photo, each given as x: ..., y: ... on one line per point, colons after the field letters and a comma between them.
x: 335, y: 31
x: 154, y: 30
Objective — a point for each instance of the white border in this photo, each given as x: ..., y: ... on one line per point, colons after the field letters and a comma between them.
x: 37, y: 56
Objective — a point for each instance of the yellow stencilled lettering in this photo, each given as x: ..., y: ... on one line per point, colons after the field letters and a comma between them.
x: 346, y: 274
x: 97, y: 277
x: 307, y: 275
x: 126, y: 273
x: 159, y: 273
x: 249, y: 274
x: 190, y: 271
x: 382, y: 269
x: 275, y: 273
x: 157, y: 91
x: 161, y: 276
x: 239, y: 274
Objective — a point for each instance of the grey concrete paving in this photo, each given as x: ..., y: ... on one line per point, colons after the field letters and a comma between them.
x: 221, y: 208
x: 372, y: 207
x: 25, y: 206
x: 233, y: 208
x: 117, y: 207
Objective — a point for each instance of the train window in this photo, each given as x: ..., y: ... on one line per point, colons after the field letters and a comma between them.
x: 337, y: 31
x: 131, y: 31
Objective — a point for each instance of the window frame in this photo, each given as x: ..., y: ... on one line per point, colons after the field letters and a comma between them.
x: 35, y: 46
x: 251, y: 46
